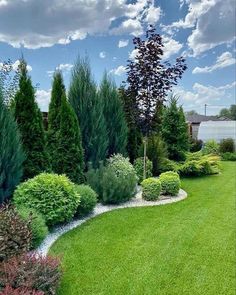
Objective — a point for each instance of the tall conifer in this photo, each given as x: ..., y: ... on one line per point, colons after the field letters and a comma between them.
x: 29, y: 120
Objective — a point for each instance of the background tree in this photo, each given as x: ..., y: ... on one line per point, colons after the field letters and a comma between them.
x: 190, y: 113
x: 175, y: 130
x: 11, y: 153
x: 69, y: 149
x: 114, y: 116
x: 88, y: 107
x: 134, y: 137
x: 151, y: 80
x: 54, y: 121
x: 29, y: 120
x: 229, y: 113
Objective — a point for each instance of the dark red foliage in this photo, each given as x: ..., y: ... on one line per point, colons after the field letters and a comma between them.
x: 149, y: 78
x: 8, y: 290
x: 31, y: 271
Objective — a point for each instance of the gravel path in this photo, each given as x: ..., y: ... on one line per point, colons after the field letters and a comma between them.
x: 137, y: 201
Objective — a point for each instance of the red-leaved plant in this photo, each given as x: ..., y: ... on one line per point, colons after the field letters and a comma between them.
x: 8, y: 290
x: 31, y: 271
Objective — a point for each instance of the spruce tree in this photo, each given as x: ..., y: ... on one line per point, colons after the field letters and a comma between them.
x: 88, y: 107
x: 11, y: 153
x: 69, y: 150
x: 114, y: 116
x: 134, y: 137
x: 175, y: 130
x: 30, y: 124
x: 57, y: 94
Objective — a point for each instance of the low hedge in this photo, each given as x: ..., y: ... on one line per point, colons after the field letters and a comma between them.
x: 88, y: 199
x: 170, y: 183
x: 151, y: 189
x: 38, y: 225
x: 228, y: 156
x: 51, y: 195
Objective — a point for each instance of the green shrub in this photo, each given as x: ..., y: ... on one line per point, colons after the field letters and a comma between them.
x: 170, y: 183
x: 194, y: 156
x: 38, y: 225
x: 15, y: 233
x: 191, y: 168
x: 115, y: 182
x: 227, y: 146
x: 88, y: 199
x: 228, y: 156
x: 94, y: 178
x: 138, y: 166
x: 169, y: 165
x: 51, y: 195
x: 210, y: 147
x: 195, y: 145
x: 151, y: 189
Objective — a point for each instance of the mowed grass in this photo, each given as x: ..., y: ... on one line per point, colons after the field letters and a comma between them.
x: 182, y: 248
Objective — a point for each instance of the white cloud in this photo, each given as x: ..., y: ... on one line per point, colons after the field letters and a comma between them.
x: 119, y: 71
x: 123, y: 43
x: 224, y: 60
x: 171, y: 47
x: 65, y: 68
x: 133, y: 54
x: 16, y: 64
x: 102, y: 54
x: 202, y: 94
x: 212, y: 23
x: 35, y: 24
x: 43, y: 99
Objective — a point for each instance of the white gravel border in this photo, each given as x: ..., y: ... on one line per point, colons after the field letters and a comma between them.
x: 137, y: 201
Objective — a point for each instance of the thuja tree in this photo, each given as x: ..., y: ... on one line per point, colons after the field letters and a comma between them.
x: 57, y: 94
x: 175, y: 130
x: 29, y: 120
x: 11, y: 152
x: 88, y: 107
x: 69, y: 149
x: 114, y: 116
x: 151, y: 79
x: 134, y: 137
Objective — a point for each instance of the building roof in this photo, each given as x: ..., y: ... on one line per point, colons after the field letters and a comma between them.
x: 196, y: 118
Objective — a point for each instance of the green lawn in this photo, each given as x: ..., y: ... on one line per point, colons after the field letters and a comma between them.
x: 182, y: 248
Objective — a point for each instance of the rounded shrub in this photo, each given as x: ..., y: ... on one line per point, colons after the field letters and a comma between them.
x: 88, y: 199
x: 210, y: 147
x: 51, y: 195
x: 38, y: 225
x: 170, y: 183
x: 151, y: 189
x: 227, y: 145
x: 138, y: 166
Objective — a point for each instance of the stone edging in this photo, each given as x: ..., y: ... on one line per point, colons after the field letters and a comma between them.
x: 137, y: 201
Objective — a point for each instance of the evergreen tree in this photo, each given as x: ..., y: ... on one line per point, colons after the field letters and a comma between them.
x: 29, y: 120
x: 175, y: 130
x: 88, y: 107
x: 114, y: 117
x: 69, y: 150
x: 134, y: 138
x: 11, y: 153
x: 54, y: 121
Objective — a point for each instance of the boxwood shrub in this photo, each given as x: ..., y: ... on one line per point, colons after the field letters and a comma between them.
x: 51, y: 195
x: 88, y: 199
x: 170, y: 183
x: 138, y: 166
x: 151, y: 189
x: 38, y: 225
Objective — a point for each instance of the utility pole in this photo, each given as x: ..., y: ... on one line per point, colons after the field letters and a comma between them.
x: 205, y: 109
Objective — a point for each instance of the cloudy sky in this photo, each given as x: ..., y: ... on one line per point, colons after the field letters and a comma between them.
x: 51, y: 34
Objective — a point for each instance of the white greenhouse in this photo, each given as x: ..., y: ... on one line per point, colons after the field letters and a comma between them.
x: 217, y: 130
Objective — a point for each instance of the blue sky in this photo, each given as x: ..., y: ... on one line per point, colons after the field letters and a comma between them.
x: 51, y: 34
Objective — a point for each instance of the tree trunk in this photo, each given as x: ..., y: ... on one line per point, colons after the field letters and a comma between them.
x: 144, y: 156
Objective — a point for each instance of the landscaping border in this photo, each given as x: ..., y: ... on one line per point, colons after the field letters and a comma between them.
x: 137, y: 201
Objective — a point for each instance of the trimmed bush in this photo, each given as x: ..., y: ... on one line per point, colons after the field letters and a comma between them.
x: 138, y: 166
x: 114, y: 183
x: 210, y: 147
x: 88, y: 199
x: 170, y: 183
x: 36, y: 272
x: 227, y: 146
x: 15, y: 233
x: 51, y: 195
x: 151, y: 189
x: 38, y: 225
x: 228, y: 157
